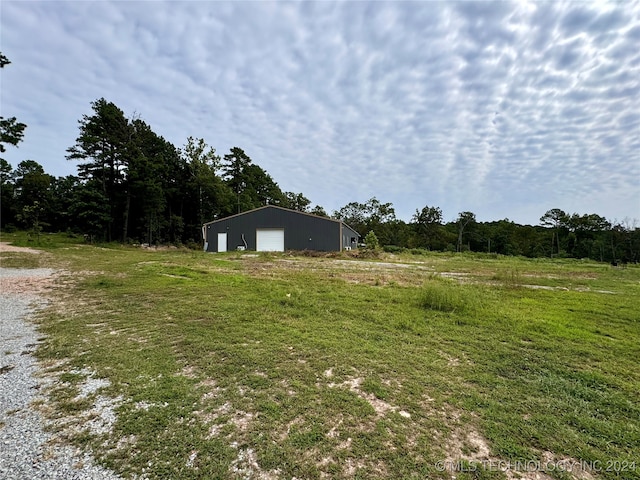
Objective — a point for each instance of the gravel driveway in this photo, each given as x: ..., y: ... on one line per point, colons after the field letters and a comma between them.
x: 26, y: 450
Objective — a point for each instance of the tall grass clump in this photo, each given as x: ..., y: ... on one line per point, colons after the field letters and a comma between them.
x: 510, y: 278
x: 449, y: 296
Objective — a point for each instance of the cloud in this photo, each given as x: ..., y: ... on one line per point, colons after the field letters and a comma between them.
x: 505, y: 109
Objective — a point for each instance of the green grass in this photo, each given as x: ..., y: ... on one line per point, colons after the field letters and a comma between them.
x: 313, y: 367
x: 450, y: 296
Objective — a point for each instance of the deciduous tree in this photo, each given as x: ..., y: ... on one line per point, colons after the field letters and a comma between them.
x: 464, y: 220
x: 319, y: 211
x: 296, y: 201
x: 428, y: 221
x: 32, y: 185
x: 371, y: 215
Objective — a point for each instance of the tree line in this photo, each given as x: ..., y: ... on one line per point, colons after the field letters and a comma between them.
x: 133, y: 186
x: 558, y: 234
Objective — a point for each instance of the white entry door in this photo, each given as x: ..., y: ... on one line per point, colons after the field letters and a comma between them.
x: 222, y: 242
x: 270, y: 240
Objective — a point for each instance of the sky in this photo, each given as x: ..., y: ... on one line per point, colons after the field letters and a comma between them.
x: 503, y: 109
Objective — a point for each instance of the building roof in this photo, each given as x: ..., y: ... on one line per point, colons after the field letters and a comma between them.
x: 286, y: 210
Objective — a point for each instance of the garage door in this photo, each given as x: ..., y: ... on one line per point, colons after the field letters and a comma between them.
x: 270, y: 240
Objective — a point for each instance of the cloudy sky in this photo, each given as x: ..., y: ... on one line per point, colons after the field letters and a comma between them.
x: 503, y: 109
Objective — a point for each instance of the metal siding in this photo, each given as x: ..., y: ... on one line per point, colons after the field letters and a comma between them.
x: 210, y: 239
x: 302, y: 231
x: 347, y: 233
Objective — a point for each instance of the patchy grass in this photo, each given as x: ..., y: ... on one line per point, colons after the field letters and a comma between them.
x: 281, y: 366
x: 19, y: 260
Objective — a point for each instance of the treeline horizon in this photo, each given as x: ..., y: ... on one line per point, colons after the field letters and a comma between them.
x: 133, y: 186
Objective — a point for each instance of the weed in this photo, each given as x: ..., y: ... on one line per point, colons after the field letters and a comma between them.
x: 449, y: 296
x: 510, y: 278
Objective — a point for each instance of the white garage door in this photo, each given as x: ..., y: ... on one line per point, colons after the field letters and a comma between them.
x: 270, y: 240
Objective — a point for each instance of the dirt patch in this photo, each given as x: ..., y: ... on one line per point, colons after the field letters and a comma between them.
x: 5, y: 247
x: 20, y: 281
x: 355, y: 272
x: 466, y: 449
x: 379, y: 406
x: 98, y: 419
x: 246, y: 466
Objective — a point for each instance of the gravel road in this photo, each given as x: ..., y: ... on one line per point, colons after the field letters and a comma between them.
x: 26, y: 450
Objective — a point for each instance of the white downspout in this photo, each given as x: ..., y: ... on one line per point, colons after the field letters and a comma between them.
x: 204, y: 238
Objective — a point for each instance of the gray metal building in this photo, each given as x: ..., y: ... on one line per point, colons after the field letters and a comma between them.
x: 277, y: 229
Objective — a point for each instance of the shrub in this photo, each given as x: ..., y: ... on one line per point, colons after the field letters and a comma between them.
x: 371, y: 241
x: 191, y: 245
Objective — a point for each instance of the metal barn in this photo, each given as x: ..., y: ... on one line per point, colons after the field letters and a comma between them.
x: 276, y: 229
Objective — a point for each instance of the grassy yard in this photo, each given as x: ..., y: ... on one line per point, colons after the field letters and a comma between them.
x: 181, y: 364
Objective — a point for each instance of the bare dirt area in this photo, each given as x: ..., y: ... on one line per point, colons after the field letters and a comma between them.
x: 21, y: 281
x: 352, y: 271
x: 6, y: 247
